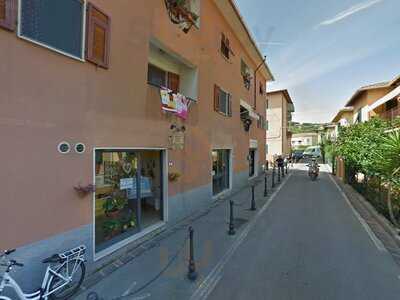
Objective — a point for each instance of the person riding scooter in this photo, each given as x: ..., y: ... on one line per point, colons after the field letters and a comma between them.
x: 313, y: 169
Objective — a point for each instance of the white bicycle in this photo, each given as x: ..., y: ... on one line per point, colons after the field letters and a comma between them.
x: 63, y: 277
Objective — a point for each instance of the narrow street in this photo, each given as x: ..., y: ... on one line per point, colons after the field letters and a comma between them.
x: 308, y: 244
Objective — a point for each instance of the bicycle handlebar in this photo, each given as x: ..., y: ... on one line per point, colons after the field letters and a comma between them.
x: 8, y: 252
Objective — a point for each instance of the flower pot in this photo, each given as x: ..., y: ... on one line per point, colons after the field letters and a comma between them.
x: 113, y: 214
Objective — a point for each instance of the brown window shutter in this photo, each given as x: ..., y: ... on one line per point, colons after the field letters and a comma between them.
x: 216, y: 98
x: 228, y: 48
x: 98, y: 36
x: 8, y: 14
x: 173, y: 82
x: 230, y: 106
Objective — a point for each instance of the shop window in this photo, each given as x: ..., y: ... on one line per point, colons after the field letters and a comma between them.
x: 221, y: 170
x: 98, y: 37
x: 222, y: 101
x: 57, y: 25
x: 129, y: 194
x: 8, y: 14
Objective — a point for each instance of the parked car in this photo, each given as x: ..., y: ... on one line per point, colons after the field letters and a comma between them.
x: 312, y: 152
x: 297, y: 155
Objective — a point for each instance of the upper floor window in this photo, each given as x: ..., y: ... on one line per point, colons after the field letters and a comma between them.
x: 8, y: 14
x: 161, y: 78
x: 261, y: 89
x: 246, y: 74
x: 225, y: 46
x: 58, y: 25
x: 222, y: 101
x: 61, y: 26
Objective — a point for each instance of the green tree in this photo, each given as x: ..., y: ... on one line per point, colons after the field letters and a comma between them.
x: 388, y: 166
x: 359, y: 144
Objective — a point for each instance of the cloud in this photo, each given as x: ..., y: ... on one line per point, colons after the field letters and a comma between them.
x: 349, y: 12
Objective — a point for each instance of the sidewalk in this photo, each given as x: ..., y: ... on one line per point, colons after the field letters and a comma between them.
x: 143, y: 268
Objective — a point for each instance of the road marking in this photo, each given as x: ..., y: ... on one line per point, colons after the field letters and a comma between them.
x: 129, y: 290
x: 378, y: 244
x: 210, y: 282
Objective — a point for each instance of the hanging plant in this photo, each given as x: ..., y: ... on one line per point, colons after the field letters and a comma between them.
x: 180, y: 14
x: 173, y: 176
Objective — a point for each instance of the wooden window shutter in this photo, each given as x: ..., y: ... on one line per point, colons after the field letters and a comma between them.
x: 230, y: 105
x: 173, y: 82
x: 8, y: 15
x: 216, y: 98
x: 98, y: 36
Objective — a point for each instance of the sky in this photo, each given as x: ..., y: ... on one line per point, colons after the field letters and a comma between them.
x: 322, y: 51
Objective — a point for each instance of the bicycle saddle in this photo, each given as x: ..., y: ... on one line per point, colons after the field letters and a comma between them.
x: 55, y: 258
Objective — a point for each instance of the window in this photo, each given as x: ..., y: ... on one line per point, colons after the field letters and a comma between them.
x: 246, y: 74
x: 98, y: 37
x: 8, y: 14
x: 129, y: 194
x: 222, y: 101
x: 221, y: 170
x: 261, y: 89
x: 156, y: 76
x: 267, y: 104
x: 161, y: 78
x: 60, y: 26
x: 225, y: 48
x: 57, y: 25
x: 261, y: 122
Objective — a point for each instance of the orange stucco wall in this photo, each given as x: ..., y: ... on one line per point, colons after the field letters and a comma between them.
x: 47, y: 98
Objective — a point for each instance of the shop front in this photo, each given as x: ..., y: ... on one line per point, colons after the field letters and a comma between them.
x: 130, y: 196
x: 221, y: 170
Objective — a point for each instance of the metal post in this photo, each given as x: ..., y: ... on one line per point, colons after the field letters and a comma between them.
x: 283, y: 171
x: 231, y: 224
x: 279, y: 174
x: 273, y: 177
x: 287, y: 168
x: 265, y: 185
x: 192, y: 274
x: 253, y: 200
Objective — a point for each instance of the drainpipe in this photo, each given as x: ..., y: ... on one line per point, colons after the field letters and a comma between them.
x: 255, y: 82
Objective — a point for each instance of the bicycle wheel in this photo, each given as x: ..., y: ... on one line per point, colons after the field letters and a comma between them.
x: 71, y: 288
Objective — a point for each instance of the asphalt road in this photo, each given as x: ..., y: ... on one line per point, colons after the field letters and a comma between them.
x: 309, y: 244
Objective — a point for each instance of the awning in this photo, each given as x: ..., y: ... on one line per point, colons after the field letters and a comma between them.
x: 386, y: 98
x: 247, y: 106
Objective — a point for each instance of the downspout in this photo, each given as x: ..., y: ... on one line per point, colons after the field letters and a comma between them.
x: 255, y: 82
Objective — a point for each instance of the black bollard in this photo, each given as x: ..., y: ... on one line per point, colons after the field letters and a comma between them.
x: 265, y: 185
x: 287, y: 168
x: 283, y: 171
x: 253, y: 200
x: 231, y: 225
x: 273, y: 177
x: 192, y: 274
x: 279, y: 174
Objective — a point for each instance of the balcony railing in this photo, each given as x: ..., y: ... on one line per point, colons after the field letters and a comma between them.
x: 391, y: 114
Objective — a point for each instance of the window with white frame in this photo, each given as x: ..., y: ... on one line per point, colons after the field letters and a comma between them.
x: 58, y: 25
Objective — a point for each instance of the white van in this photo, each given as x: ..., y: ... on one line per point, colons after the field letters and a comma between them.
x: 312, y: 152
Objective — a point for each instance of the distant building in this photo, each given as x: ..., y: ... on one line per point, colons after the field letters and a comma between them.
x: 373, y: 100
x: 279, y: 113
x: 305, y: 139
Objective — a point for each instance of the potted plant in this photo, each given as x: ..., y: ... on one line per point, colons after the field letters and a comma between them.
x: 113, y: 205
x: 247, y: 80
x: 173, y: 176
x: 111, y: 228
x: 180, y: 13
